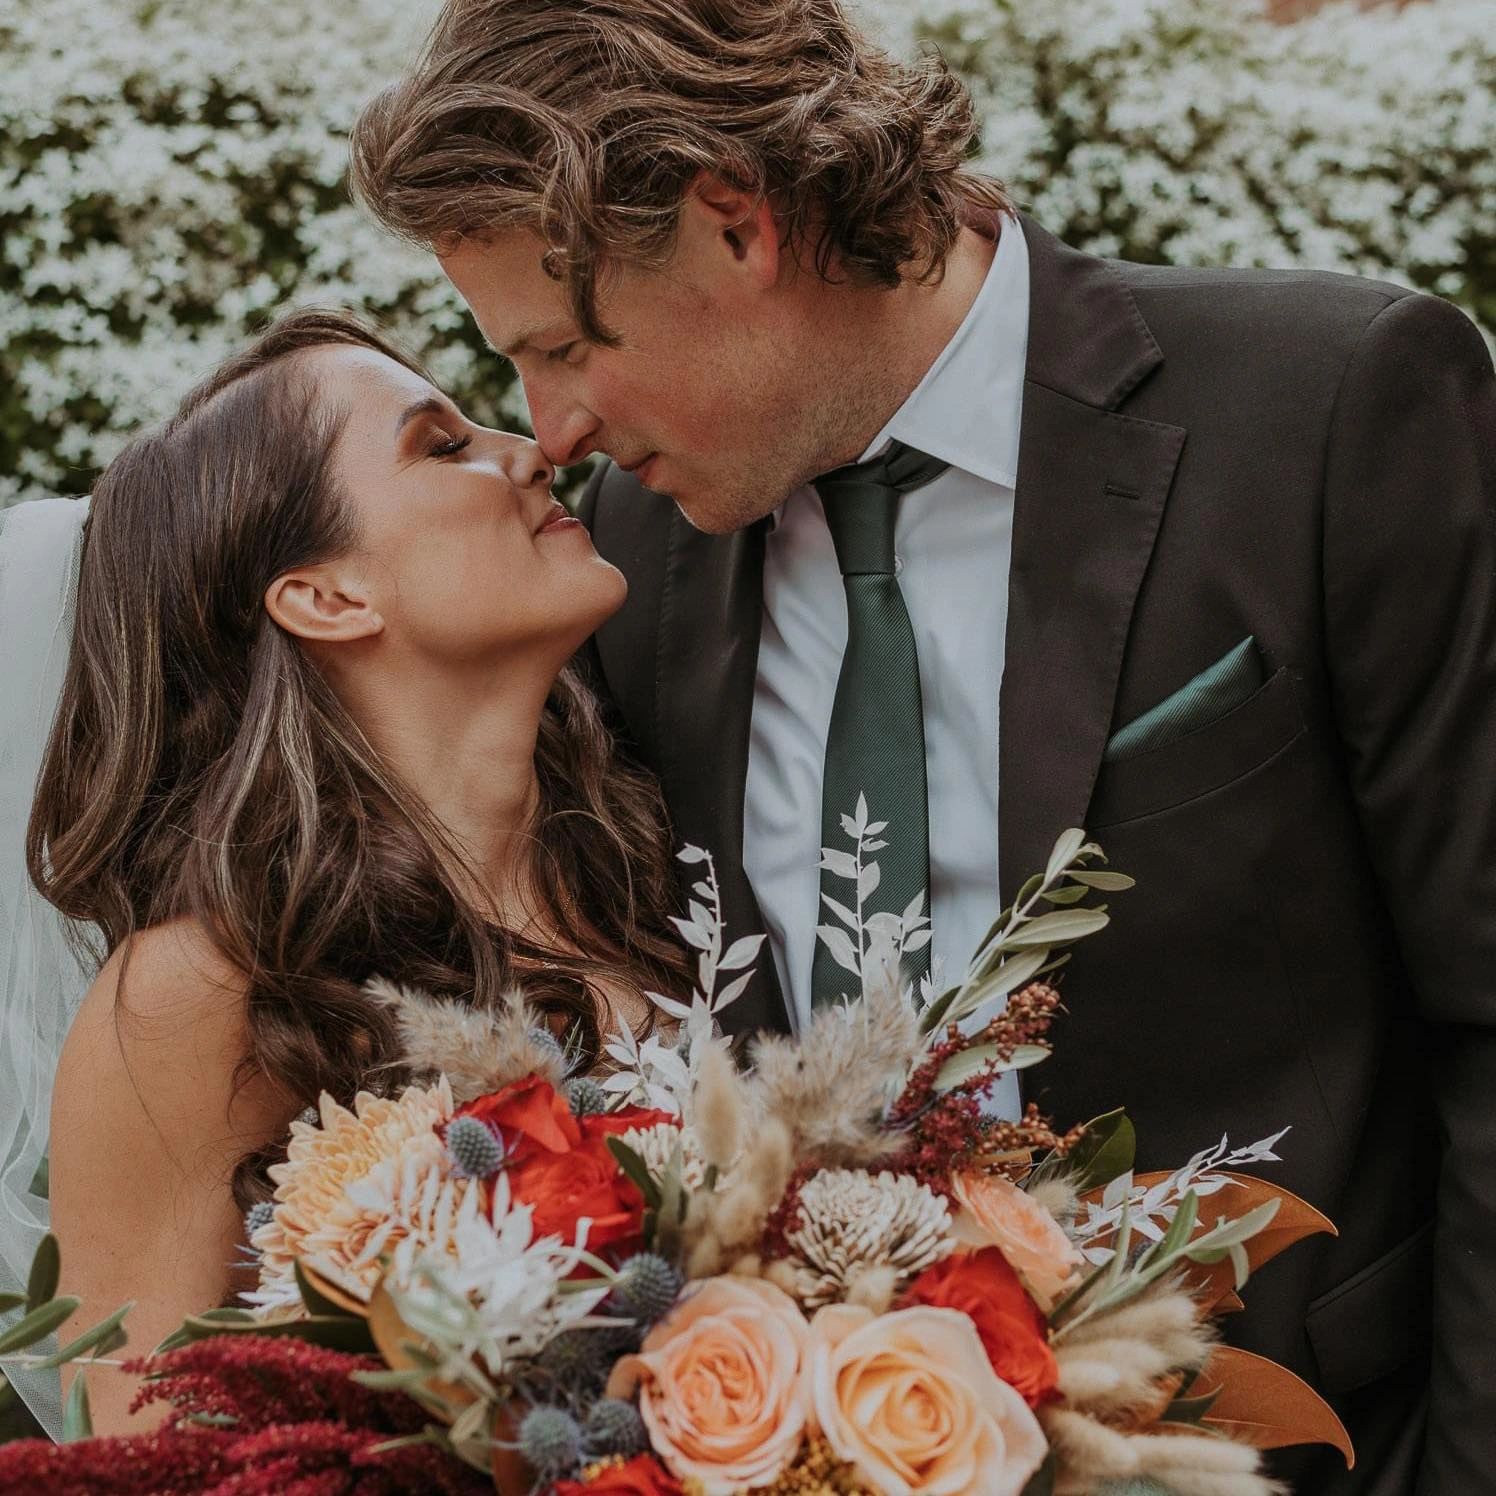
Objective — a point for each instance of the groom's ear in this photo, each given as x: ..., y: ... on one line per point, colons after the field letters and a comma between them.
x: 323, y: 606
x: 736, y: 224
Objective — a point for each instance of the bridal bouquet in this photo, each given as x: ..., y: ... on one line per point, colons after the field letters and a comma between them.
x: 830, y: 1271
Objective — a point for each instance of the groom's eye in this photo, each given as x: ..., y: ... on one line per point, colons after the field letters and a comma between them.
x: 561, y: 354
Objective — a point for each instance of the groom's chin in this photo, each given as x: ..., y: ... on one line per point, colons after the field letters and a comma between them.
x: 721, y: 511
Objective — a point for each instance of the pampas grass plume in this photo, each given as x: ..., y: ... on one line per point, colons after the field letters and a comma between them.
x: 720, y: 1112
x: 478, y: 1049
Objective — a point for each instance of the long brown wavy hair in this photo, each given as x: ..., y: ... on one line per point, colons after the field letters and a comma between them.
x: 586, y: 121
x: 201, y: 766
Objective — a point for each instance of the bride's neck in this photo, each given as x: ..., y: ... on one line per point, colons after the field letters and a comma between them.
x: 467, y: 748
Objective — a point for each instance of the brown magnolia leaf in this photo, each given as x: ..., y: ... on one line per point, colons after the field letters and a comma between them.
x: 392, y: 1335
x: 335, y: 1286
x: 511, y: 1475
x: 1265, y: 1405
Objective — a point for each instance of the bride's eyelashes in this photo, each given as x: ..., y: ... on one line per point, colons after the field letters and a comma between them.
x: 451, y: 446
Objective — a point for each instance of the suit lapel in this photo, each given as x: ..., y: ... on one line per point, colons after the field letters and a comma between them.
x: 711, y: 612
x: 1090, y: 495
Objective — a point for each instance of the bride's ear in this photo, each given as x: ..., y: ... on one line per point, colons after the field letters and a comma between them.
x: 322, y: 607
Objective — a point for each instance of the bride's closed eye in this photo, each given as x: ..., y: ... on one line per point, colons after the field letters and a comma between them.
x: 450, y: 446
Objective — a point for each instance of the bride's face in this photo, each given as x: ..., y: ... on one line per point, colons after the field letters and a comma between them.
x: 462, y: 555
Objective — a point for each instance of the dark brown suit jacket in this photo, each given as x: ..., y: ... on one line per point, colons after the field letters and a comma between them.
x: 1206, y: 455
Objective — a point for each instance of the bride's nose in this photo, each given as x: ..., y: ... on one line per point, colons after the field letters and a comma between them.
x: 527, y: 466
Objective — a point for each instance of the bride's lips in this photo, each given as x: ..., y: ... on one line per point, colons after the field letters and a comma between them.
x: 559, y: 518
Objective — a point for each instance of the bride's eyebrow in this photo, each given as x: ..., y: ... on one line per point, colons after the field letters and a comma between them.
x: 430, y: 406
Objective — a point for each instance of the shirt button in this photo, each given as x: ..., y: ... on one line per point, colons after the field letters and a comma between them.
x: 898, y: 564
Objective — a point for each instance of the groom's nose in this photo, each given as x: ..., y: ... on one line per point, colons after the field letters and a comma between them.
x: 566, y: 430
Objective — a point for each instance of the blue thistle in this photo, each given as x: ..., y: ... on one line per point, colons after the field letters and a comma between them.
x: 474, y: 1150
x: 647, y: 1287
x: 256, y: 1216
x: 550, y: 1440
x: 614, y: 1427
x: 585, y: 1096
x: 576, y: 1358
x: 543, y: 1038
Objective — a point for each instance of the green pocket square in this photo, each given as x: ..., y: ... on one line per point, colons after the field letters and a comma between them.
x: 1212, y: 693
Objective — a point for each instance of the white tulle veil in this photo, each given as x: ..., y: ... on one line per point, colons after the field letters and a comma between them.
x: 41, y: 978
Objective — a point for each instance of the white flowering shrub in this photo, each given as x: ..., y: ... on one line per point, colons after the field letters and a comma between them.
x: 171, y: 172
x: 1196, y: 132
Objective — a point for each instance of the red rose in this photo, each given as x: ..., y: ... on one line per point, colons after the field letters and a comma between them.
x: 529, y: 1117
x: 1008, y: 1322
x: 643, y: 1475
x: 626, y: 1119
x: 587, y: 1181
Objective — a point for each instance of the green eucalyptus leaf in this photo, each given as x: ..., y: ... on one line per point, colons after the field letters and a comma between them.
x: 933, y: 1016
x: 1190, y: 1409
x: 391, y: 1381
x: 1015, y: 972
x: 316, y: 1302
x: 1062, y: 926
x: 102, y: 1338
x: 1071, y: 893
x: 46, y: 1273
x: 1106, y: 1151
x: 637, y: 1170
x: 1106, y: 882
x: 1066, y: 849
x: 37, y: 1325
x: 77, y: 1421
x: 10, y: 1301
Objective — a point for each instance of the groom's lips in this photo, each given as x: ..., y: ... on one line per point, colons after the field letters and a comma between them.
x: 640, y: 469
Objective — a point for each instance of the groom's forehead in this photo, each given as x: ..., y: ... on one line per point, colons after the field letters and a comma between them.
x: 501, y: 278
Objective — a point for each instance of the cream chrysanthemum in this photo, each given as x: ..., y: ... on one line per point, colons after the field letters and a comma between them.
x: 354, y: 1183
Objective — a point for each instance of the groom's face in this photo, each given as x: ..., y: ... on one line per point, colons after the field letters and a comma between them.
x: 704, y: 396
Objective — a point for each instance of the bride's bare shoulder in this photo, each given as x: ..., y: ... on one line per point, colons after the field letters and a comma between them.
x: 164, y: 1031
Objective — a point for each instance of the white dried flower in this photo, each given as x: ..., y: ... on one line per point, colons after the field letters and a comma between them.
x: 852, y: 1222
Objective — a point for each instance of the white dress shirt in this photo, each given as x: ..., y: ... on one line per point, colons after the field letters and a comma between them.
x: 953, y: 542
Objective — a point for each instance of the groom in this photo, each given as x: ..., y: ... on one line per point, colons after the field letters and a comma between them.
x: 1200, y: 560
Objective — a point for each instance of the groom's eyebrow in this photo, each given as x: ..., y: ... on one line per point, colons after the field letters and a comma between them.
x: 523, y: 341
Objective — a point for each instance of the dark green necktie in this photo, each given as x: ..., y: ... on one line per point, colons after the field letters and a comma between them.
x: 876, y: 745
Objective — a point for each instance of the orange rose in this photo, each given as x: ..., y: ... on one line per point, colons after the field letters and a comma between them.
x: 529, y: 1116
x: 719, y: 1383
x: 996, y: 1213
x: 911, y: 1400
x: 587, y: 1182
x: 982, y: 1286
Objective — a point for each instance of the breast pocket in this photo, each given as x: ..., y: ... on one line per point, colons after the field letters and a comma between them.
x: 1207, y: 759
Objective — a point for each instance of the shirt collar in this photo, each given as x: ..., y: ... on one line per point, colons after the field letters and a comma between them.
x: 967, y: 407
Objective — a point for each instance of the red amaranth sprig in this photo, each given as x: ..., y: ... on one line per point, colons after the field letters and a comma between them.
x: 947, y: 1130
x: 300, y: 1427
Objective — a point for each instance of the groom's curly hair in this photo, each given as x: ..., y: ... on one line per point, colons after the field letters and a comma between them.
x: 586, y: 121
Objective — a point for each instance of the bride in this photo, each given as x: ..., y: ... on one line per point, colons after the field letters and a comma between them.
x: 317, y: 724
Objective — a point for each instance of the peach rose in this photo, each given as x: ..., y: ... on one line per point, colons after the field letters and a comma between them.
x: 719, y: 1382
x: 996, y: 1213
x: 911, y: 1400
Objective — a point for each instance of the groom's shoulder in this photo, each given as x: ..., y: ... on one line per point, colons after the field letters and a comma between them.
x: 1309, y: 325
x: 1311, y: 301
